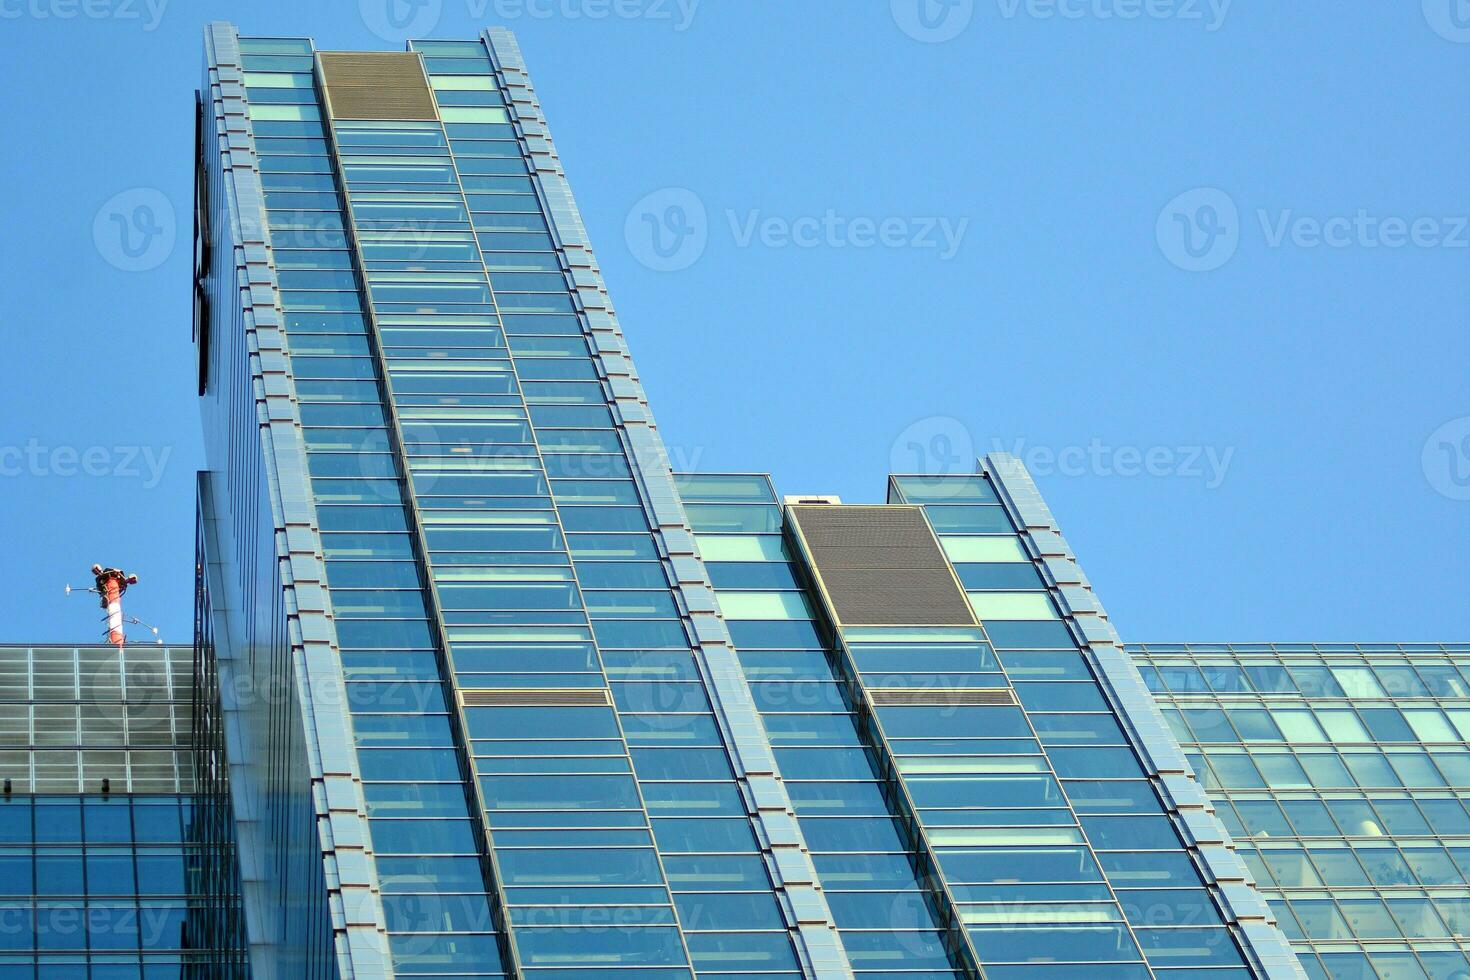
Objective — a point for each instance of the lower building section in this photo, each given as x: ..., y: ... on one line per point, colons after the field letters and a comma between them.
x: 101, y: 845
x: 963, y: 741
x: 1343, y: 773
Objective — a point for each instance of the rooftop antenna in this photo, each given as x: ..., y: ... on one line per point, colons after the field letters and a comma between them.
x: 111, y: 584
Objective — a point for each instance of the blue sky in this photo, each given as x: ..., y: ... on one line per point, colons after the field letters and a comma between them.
x: 1202, y: 265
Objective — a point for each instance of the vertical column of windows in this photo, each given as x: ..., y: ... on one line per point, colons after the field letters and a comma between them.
x: 617, y: 585
x: 573, y: 844
x: 1029, y: 889
x: 1101, y: 792
x: 865, y: 858
x: 427, y: 857
x: 216, y: 916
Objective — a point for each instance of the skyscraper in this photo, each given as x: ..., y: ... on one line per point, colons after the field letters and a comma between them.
x: 499, y: 696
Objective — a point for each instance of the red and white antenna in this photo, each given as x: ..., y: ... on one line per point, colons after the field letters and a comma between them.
x: 112, y: 583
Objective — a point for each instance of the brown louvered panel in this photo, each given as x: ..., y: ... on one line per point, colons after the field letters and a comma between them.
x: 517, y: 697
x: 892, y: 697
x: 881, y: 566
x: 376, y: 85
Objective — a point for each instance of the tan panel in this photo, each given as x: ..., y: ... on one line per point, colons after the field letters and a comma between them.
x: 376, y: 85
x: 881, y: 566
x: 530, y: 697
x: 900, y: 697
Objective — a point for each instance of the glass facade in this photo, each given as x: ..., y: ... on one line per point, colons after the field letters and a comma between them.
x: 547, y: 787
x: 500, y: 697
x: 1342, y: 771
x: 100, y: 851
x: 973, y: 775
x: 887, y: 901
x: 1123, y: 885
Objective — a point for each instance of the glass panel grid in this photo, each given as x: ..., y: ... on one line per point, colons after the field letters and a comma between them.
x: 1341, y: 770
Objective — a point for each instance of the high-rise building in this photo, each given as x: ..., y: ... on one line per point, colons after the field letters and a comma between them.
x: 1342, y: 772
x: 105, y: 872
x: 500, y: 696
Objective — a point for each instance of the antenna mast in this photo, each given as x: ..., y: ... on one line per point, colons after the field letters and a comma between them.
x: 111, y: 584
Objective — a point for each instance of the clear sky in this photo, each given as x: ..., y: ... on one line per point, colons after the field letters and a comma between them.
x: 1202, y: 265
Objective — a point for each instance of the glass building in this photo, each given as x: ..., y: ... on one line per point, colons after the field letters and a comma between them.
x: 1342, y: 772
x: 102, y: 858
x: 500, y: 696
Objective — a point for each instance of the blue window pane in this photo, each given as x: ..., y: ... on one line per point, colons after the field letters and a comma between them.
x: 427, y: 874
x: 61, y: 925
x: 110, y: 872
x: 15, y: 872
x: 1169, y: 907
x: 1134, y: 833
x: 702, y: 834
x: 417, y: 953
x: 663, y: 764
x: 608, y: 866
x: 542, y: 723
x: 1052, y: 864
x: 732, y: 911
x: 108, y: 821
x: 423, y: 836
x: 1080, y: 763
x: 693, y: 799
x: 59, y: 872
x: 15, y: 821
x: 1054, y: 944
x: 161, y: 871
x: 717, y: 873
x: 1189, y: 947
x: 742, y: 951
x: 1030, y: 636
x: 427, y: 764
x: 560, y: 792
x: 58, y: 821
x: 437, y: 913
x: 1150, y: 869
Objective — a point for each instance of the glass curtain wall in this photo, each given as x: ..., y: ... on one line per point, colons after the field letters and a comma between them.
x: 97, y: 858
x: 1127, y: 864
x: 1343, y: 773
x: 424, y: 835
x: 871, y: 866
x: 484, y: 526
x: 591, y: 610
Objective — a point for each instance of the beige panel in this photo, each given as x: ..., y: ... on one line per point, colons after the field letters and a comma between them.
x: 895, y: 697
x: 881, y: 566
x: 376, y: 85
x: 516, y: 697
